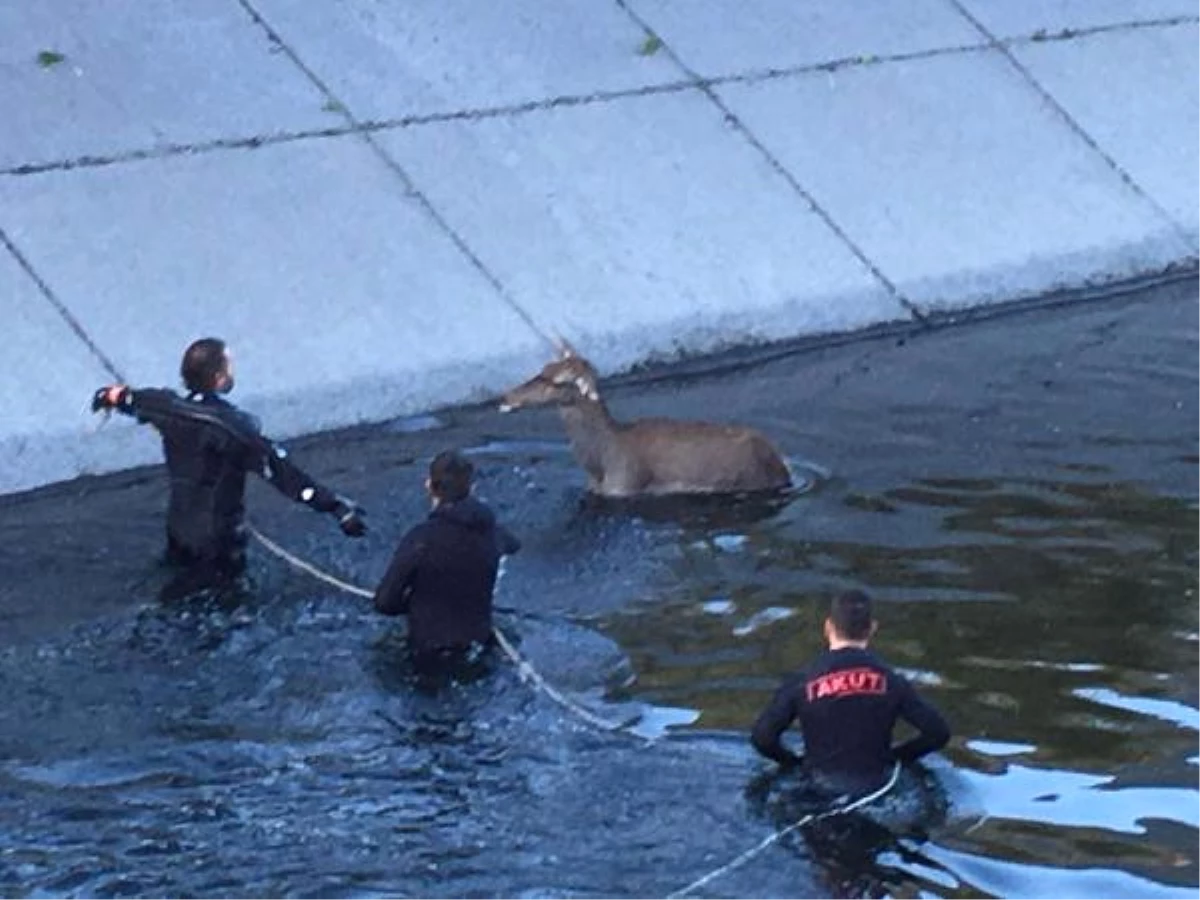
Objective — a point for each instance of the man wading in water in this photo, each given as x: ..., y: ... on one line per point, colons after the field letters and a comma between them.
x: 847, y: 703
x: 443, y: 574
x: 210, y: 445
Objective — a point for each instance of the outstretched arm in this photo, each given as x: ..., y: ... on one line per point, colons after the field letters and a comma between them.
x: 933, y: 734
x: 272, y: 462
x: 774, y: 721
x: 159, y: 407
x: 150, y: 406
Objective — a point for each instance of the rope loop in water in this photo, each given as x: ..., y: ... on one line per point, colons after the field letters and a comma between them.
x: 779, y: 835
x: 525, y: 670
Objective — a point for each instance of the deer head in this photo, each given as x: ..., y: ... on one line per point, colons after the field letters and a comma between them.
x: 568, y: 379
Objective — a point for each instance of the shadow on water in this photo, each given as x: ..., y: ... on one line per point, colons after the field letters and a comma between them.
x: 1033, y: 551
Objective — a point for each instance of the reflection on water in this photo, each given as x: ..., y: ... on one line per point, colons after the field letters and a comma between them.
x: 1050, y: 621
x: 1167, y: 710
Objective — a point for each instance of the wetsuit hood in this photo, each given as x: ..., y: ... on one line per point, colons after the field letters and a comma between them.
x: 467, y: 513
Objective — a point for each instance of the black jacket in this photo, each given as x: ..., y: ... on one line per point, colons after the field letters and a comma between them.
x: 443, y: 574
x: 209, y: 446
x: 847, y: 703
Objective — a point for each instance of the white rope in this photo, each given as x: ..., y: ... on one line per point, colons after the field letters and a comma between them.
x: 525, y: 670
x: 806, y: 820
x: 529, y: 673
x: 308, y: 567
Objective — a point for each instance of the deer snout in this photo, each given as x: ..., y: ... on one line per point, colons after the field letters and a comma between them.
x: 527, y: 394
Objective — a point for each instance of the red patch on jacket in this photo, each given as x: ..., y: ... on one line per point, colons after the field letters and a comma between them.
x: 849, y: 683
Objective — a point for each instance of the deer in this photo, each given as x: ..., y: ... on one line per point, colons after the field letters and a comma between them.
x: 653, y: 456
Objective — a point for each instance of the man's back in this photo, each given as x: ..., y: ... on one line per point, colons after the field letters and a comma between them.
x: 207, y: 444
x: 848, y: 706
x: 452, y: 591
x: 443, y: 575
x: 847, y: 703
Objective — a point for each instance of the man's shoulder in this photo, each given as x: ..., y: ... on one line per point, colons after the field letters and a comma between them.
x: 871, y: 658
x: 849, y: 657
x: 794, y: 681
x: 217, y: 402
x: 236, y: 418
x: 845, y: 673
x: 419, y: 532
x: 154, y: 396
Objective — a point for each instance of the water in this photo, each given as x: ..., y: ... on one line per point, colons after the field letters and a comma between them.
x: 1020, y: 497
x: 1066, y: 660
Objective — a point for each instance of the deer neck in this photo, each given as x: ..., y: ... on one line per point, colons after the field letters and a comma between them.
x: 593, y: 434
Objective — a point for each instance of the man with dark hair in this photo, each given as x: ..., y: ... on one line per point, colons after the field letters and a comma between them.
x: 205, y: 363
x: 210, y: 445
x: 847, y: 703
x: 443, y: 573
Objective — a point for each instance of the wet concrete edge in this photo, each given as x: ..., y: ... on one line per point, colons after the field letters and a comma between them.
x: 683, y: 367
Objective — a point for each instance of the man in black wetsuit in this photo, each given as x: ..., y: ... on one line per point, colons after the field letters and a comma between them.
x: 210, y: 445
x: 847, y: 703
x: 443, y: 574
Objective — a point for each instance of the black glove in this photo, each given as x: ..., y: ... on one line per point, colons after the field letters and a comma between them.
x: 109, y: 397
x: 350, y: 518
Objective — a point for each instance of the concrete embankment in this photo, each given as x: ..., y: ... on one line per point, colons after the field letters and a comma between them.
x: 386, y: 209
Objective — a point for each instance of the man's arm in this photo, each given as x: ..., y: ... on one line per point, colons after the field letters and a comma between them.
x: 272, y: 462
x: 773, y: 722
x: 150, y: 406
x: 159, y: 407
x: 933, y: 734
x: 392, y: 595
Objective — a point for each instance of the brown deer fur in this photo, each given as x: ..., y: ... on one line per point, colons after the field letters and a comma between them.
x: 648, y: 456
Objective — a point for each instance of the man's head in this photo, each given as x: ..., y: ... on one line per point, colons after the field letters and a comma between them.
x: 207, y: 367
x: 850, y: 620
x: 450, y: 476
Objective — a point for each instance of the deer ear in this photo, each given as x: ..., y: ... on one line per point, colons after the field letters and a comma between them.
x: 565, y: 350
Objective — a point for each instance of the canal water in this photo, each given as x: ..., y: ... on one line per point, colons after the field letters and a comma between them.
x: 1019, y: 495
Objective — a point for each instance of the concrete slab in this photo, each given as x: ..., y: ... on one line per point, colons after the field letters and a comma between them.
x: 956, y: 178
x: 401, y: 59
x: 342, y: 302
x: 714, y: 38
x: 138, y: 75
x: 1134, y: 92
x: 52, y: 374
x: 641, y: 226
x: 1014, y: 18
